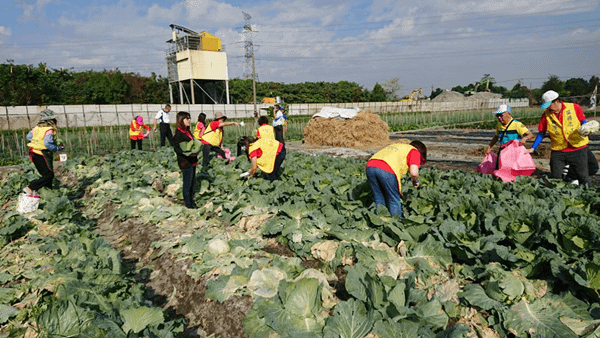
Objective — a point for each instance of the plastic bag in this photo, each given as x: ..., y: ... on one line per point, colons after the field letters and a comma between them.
x: 488, y: 165
x: 27, y: 203
x: 514, y: 159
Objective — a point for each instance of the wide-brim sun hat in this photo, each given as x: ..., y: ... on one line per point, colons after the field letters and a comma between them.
x: 503, y: 108
x: 547, y: 98
x: 47, y: 115
x: 220, y: 116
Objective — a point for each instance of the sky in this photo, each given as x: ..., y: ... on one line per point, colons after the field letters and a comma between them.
x: 425, y: 44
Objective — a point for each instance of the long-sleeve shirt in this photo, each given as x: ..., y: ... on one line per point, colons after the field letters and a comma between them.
x: 49, y: 140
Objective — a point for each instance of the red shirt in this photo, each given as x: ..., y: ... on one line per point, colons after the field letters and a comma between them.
x: 414, y: 157
x: 543, y: 125
x: 258, y: 152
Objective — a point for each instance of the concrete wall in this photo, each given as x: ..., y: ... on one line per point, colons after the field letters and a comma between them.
x: 25, y: 117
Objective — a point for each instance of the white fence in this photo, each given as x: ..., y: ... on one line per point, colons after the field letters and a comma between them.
x: 24, y: 117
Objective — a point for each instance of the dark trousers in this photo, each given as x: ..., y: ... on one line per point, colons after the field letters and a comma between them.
x: 279, y: 134
x: 165, y: 133
x: 138, y: 142
x: 44, y: 165
x: 189, y: 176
x: 278, y: 161
x: 577, y: 161
x: 592, y: 166
x: 206, y: 150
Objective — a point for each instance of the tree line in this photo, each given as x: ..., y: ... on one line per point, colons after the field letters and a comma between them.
x: 570, y: 88
x: 28, y: 85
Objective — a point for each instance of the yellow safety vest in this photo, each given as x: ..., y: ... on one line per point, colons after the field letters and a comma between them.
x: 395, y: 156
x: 197, y: 131
x: 37, y: 140
x: 266, y: 131
x: 269, y: 146
x: 135, y: 130
x: 565, y: 133
x: 213, y: 137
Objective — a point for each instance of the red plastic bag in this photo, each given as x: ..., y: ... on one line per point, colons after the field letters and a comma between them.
x: 515, y: 161
x: 488, y: 165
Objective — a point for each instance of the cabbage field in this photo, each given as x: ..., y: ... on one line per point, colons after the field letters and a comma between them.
x: 112, y: 252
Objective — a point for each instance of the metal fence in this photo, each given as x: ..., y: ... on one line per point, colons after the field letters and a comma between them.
x: 26, y: 117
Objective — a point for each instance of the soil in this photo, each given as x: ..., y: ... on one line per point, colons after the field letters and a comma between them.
x: 165, y: 277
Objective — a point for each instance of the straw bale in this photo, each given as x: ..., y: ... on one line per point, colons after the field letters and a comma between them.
x: 363, y: 130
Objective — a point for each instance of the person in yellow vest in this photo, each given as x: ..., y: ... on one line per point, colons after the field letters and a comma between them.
x: 200, y: 126
x: 562, y: 121
x: 213, y: 138
x: 135, y: 132
x: 42, y: 143
x: 386, y: 168
x: 266, y: 154
x: 265, y: 130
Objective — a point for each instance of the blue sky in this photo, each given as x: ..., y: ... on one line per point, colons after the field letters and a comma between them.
x: 427, y: 43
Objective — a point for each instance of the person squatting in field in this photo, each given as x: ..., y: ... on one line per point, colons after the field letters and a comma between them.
x: 508, y: 129
x: 42, y: 144
x: 386, y: 168
x: 187, y: 163
x: 213, y: 138
x: 264, y: 129
x: 165, y: 127
x: 266, y: 154
x: 562, y: 121
x: 200, y: 126
x: 135, y: 132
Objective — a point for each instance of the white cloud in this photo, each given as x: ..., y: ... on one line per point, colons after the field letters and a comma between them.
x: 311, y: 40
x: 5, y: 31
x: 32, y: 12
x: 211, y: 12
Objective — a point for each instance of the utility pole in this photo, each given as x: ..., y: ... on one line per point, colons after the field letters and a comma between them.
x: 249, y: 66
x: 254, y: 89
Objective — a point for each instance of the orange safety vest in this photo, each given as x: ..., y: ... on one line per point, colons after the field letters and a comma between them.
x: 269, y: 147
x: 565, y: 133
x: 266, y: 131
x: 135, y: 130
x: 37, y: 140
x: 213, y: 137
x: 395, y: 156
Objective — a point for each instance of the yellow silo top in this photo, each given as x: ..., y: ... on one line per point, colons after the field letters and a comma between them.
x: 210, y: 42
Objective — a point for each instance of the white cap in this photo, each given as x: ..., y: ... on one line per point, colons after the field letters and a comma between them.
x: 503, y: 108
x: 547, y: 98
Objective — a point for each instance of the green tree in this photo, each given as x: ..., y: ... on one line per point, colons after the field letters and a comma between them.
x: 391, y: 88
x: 593, y: 83
x: 554, y: 83
x: 378, y: 94
x: 516, y: 92
x: 576, y: 87
x: 459, y: 89
x: 118, y: 90
x: 436, y: 92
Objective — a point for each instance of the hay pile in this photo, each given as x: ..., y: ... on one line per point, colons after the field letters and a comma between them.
x: 363, y: 130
